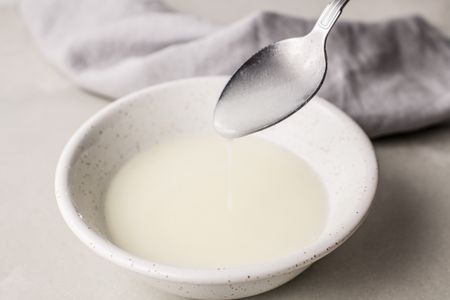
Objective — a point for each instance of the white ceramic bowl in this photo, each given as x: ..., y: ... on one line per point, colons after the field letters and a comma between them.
x: 320, y: 133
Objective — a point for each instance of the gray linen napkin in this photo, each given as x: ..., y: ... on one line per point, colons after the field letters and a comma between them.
x: 390, y: 76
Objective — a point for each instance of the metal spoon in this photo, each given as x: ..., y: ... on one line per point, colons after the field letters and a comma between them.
x: 276, y: 81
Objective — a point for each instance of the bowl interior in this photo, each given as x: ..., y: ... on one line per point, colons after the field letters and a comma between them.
x: 327, y: 139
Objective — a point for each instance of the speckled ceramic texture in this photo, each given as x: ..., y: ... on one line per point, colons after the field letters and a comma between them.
x: 321, y: 134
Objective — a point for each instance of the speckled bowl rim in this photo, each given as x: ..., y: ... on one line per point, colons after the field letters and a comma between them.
x: 287, y: 264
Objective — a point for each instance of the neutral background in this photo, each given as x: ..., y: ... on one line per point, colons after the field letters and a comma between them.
x: 400, y: 252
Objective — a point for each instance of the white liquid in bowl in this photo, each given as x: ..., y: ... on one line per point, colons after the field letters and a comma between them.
x: 180, y: 204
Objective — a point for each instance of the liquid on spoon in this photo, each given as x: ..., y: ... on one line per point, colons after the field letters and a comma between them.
x: 277, y: 81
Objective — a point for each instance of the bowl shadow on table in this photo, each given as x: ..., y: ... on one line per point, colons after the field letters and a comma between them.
x: 385, y: 247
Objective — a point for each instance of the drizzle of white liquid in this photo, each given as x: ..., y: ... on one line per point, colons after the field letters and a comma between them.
x: 229, y: 172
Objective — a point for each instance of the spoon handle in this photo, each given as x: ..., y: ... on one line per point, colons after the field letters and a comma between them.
x: 330, y: 15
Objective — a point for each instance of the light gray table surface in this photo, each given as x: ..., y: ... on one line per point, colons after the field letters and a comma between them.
x: 402, y: 251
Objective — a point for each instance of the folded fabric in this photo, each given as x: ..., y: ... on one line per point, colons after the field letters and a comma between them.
x: 391, y: 76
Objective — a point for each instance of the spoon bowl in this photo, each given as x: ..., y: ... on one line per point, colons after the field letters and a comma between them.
x: 277, y: 81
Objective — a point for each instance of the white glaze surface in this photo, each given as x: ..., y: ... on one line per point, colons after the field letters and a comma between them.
x: 172, y: 203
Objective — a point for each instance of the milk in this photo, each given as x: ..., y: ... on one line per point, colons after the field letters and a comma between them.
x: 202, y: 202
